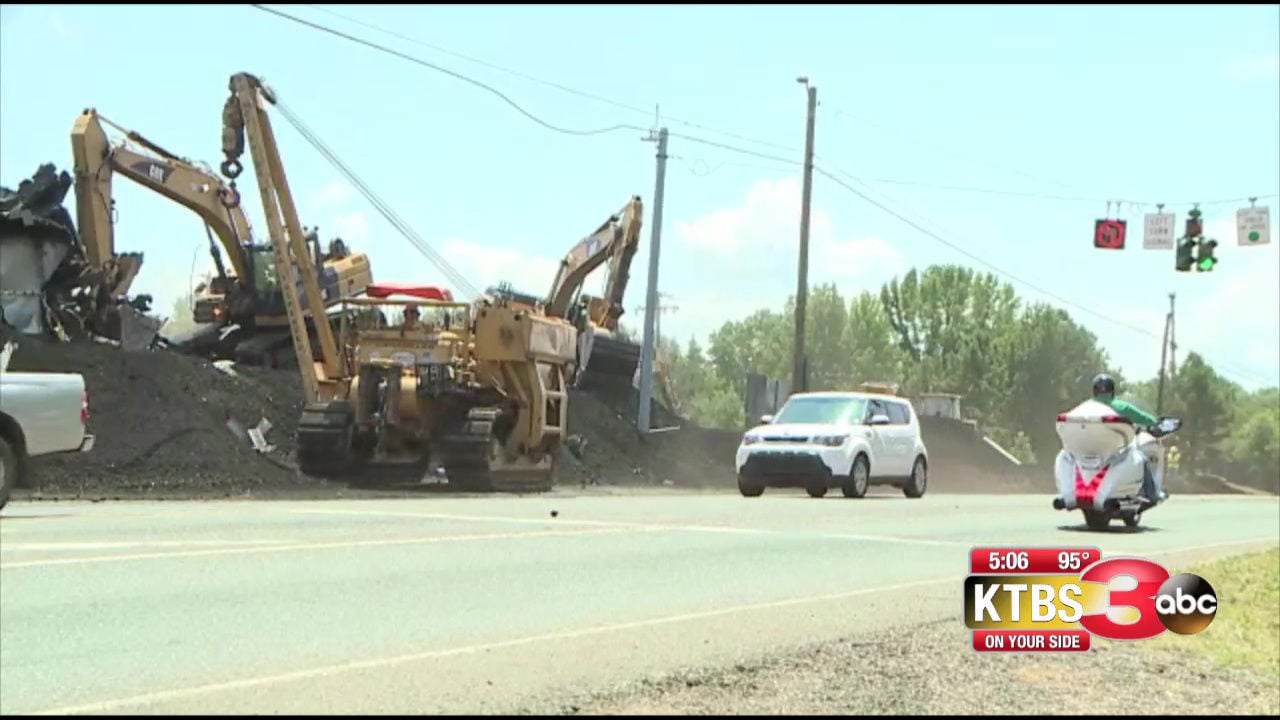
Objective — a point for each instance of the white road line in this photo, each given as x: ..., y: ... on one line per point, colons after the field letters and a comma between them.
x: 107, y: 545
x: 98, y: 708
x: 636, y: 525
x: 182, y: 693
x: 306, y: 547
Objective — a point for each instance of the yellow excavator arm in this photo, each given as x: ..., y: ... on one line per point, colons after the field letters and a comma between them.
x: 96, y: 161
x: 615, y: 242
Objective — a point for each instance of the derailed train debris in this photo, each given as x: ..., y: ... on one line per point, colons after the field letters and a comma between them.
x: 47, y: 287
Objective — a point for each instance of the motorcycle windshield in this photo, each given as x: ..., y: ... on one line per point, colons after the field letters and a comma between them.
x: 1094, y: 430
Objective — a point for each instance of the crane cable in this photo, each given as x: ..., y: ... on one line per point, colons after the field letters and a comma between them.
x: 451, y: 273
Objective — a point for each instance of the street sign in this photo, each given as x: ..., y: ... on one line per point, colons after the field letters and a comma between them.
x: 1158, y: 231
x: 1109, y: 234
x: 1253, y: 226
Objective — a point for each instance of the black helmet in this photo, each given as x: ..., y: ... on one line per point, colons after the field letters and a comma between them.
x: 1104, y: 385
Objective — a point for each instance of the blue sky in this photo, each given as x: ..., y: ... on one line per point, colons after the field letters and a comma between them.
x: 1058, y: 108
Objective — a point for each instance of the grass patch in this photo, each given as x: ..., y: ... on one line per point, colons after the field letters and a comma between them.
x: 1246, y: 631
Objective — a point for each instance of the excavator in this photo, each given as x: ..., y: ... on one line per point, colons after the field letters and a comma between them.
x: 244, y: 306
x: 474, y: 391
x: 604, y: 356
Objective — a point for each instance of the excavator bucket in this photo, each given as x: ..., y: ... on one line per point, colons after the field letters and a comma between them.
x: 610, y: 360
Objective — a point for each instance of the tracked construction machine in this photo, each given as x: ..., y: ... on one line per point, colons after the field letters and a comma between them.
x: 605, y: 358
x: 241, y: 310
x: 476, y: 390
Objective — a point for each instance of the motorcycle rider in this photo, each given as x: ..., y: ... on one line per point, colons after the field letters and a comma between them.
x: 1104, y: 391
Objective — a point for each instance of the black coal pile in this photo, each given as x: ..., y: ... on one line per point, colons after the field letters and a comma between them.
x: 160, y: 421
x: 614, y: 453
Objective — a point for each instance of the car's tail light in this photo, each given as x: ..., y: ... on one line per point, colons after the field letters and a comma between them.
x: 84, y: 408
x: 1104, y: 418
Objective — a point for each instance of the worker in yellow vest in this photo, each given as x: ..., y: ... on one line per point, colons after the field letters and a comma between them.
x: 1171, y: 462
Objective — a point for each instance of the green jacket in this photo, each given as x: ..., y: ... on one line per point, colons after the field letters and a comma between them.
x: 1131, y: 412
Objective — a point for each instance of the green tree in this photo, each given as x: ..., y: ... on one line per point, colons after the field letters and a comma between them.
x: 705, y: 397
x: 1203, y: 399
x: 1052, y: 361
x: 759, y: 343
x: 873, y: 355
x: 955, y: 326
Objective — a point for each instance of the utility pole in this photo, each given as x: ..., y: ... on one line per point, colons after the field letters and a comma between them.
x: 1164, y: 355
x: 798, y: 374
x: 651, y: 303
x: 662, y: 310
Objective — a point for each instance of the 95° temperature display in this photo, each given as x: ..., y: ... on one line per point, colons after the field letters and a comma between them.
x: 1033, y: 561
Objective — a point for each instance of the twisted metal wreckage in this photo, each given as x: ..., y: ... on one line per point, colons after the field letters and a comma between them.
x: 47, y: 286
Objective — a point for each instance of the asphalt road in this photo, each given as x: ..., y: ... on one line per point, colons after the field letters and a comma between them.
x: 483, y: 604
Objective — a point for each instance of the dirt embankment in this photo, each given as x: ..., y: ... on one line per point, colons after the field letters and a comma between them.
x: 160, y: 420
x: 161, y: 424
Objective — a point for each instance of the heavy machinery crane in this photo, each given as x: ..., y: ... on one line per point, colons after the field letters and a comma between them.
x: 476, y: 390
x: 247, y: 297
x: 604, y: 357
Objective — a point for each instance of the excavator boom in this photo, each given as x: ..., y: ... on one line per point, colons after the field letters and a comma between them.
x: 201, y: 191
x: 615, y: 242
x: 605, y: 355
x: 244, y: 118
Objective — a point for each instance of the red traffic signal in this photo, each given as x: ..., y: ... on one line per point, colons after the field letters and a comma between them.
x: 1109, y: 234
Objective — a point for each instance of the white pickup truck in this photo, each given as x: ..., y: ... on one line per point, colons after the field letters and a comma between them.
x: 40, y: 414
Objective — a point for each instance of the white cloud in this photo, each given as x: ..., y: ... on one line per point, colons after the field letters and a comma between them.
x: 1251, y: 67
x: 486, y: 265
x: 767, y: 226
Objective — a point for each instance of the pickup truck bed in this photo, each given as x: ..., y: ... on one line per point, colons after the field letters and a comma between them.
x: 40, y: 414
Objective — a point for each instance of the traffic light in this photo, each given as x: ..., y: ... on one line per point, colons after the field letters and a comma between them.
x: 1205, y: 261
x: 1186, y: 254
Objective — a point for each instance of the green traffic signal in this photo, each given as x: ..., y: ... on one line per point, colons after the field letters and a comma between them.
x: 1206, y: 260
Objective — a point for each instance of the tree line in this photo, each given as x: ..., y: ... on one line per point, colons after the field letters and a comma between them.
x: 1017, y: 364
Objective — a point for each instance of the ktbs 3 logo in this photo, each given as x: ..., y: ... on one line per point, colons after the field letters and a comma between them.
x: 1045, y: 593
x: 1184, y: 603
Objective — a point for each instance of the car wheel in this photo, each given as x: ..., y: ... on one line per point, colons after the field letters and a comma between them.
x: 855, y: 485
x: 8, y: 471
x: 919, y: 480
x: 1131, y: 519
x: 750, y: 488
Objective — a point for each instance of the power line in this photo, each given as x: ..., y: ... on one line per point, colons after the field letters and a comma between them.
x: 516, y: 73
x: 734, y: 148
x: 387, y: 213
x: 946, y: 150
x: 548, y: 83
x: 446, y: 71
x: 1068, y: 198
x: 1024, y: 193
x: 704, y: 141
x: 1000, y: 271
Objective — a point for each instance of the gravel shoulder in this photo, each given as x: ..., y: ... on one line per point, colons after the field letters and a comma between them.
x: 914, y: 671
x: 1233, y: 668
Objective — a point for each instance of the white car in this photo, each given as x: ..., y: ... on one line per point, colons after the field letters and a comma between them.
x: 850, y: 440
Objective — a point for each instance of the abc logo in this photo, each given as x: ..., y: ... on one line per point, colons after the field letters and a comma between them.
x: 1186, y: 604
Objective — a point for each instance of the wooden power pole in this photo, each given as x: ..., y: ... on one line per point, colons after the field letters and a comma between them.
x: 798, y: 369
x: 1165, y: 360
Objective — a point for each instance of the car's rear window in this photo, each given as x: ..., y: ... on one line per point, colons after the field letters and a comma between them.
x: 823, y: 411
